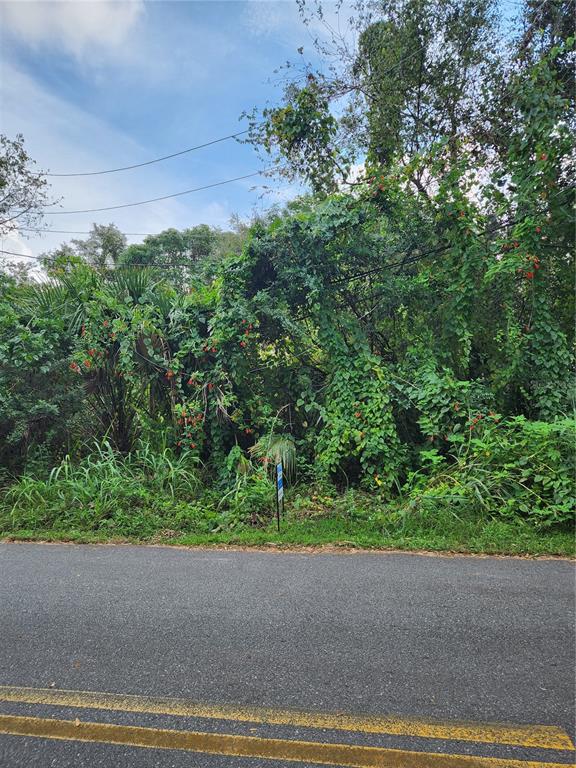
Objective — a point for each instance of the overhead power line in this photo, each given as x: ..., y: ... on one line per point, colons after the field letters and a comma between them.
x: 406, y: 261
x: 81, y: 232
x: 22, y: 255
x: 198, y: 146
x: 155, y: 199
x: 149, y: 162
x: 48, y: 230
x: 152, y: 264
x: 439, y: 249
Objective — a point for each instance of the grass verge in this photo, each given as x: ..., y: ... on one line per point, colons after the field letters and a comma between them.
x: 492, y: 537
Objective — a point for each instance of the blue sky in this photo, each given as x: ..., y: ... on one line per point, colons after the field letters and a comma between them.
x: 98, y: 85
x: 94, y: 85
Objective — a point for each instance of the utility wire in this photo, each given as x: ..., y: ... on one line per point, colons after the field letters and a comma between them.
x: 198, y: 146
x: 348, y: 278
x: 82, y: 232
x: 126, y: 234
x: 151, y: 264
x: 154, y: 199
x: 439, y: 249
x: 22, y: 255
x: 148, y: 162
x: 150, y: 234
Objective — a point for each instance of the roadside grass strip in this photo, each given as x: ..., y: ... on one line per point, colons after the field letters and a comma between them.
x: 346, y: 755
x: 538, y: 736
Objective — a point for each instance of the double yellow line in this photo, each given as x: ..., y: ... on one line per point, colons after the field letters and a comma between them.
x: 352, y: 756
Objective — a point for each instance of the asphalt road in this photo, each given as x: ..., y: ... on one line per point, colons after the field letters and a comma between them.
x: 435, y: 638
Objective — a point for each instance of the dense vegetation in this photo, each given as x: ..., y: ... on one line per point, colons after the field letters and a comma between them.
x: 401, y: 338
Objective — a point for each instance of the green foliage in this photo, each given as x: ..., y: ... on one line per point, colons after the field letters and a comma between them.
x: 411, y: 339
x: 39, y: 398
x: 357, y: 423
x: 515, y: 469
x: 275, y: 449
x: 104, y: 492
x: 23, y: 189
x: 303, y: 132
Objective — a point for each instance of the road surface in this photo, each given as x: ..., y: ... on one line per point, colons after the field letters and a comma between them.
x: 155, y: 657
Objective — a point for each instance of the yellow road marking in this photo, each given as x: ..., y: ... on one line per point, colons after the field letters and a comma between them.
x: 250, y: 746
x: 543, y: 736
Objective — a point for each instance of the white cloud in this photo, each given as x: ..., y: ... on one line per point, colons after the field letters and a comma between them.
x: 121, y: 40
x: 61, y: 136
x: 76, y: 25
x: 282, y: 19
x: 262, y: 19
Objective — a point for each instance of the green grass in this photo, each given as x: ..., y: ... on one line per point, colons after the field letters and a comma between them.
x: 162, y: 498
x: 490, y: 537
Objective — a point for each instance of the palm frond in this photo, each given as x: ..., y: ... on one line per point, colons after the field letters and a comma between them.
x: 276, y: 449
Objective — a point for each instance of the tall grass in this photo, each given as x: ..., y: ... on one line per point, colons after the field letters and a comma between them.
x: 104, y: 484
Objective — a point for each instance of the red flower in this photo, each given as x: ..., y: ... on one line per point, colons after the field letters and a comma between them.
x: 538, y: 230
x: 192, y: 445
x: 529, y: 275
x: 213, y: 349
x: 88, y: 362
x: 105, y: 323
x: 242, y: 343
x: 543, y: 156
x: 91, y: 352
x: 358, y: 414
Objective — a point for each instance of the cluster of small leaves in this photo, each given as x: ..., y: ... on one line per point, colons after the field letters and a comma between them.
x: 514, y: 468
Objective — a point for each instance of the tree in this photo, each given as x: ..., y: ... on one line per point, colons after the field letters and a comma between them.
x: 172, y: 247
x: 420, y: 70
x: 23, y: 191
x: 39, y: 396
x: 103, y: 247
x: 413, y: 79
x: 184, y: 254
x: 101, y: 250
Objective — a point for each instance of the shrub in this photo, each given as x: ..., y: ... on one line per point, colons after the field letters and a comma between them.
x: 105, y: 491
x: 516, y: 468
